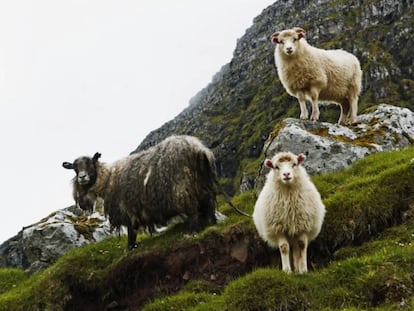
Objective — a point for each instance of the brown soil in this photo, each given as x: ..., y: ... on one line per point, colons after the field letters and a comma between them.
x: 140, y: 277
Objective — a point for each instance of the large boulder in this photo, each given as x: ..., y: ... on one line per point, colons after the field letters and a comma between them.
x: 331, y: 147
x: 37, y: 246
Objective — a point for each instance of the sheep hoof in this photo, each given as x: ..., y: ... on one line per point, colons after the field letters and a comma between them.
x: 349, y: 123
x: 315, y: 117
x: 302, y: 271
x: 133, y: 246
x: 190, y: 235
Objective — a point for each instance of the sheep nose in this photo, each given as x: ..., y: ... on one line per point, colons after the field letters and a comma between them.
x: 82, y: 176
x: 289, y: 50
x: 286, y: 175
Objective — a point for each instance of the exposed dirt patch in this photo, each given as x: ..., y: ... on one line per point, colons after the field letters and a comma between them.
x: 141, y: 277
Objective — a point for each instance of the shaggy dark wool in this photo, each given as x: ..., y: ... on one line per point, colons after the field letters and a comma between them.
x: 148, y: 188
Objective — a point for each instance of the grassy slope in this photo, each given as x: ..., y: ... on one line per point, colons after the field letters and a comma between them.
x: 364, y: 255
x: 377, y: 275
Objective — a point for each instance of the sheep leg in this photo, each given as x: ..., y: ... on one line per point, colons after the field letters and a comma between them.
x: 304, y: 115
x: 207, y: 215
x: 342, y: 116
x: 193, y: 223
x: 300, y: 247
x: 314, y: 95
x: 132, y: 238
x: 353, y: 92
x: 353, y: 103
x: 284, y: 253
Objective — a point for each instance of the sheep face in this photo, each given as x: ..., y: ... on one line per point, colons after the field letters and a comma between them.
x: 288, y: 40
x: 85, y: 168
x: 285, y: 166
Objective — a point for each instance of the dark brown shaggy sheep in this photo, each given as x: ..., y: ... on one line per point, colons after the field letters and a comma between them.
x: 148, y: 188
x: 85, y: 178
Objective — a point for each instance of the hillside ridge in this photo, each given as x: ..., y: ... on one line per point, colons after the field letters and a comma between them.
x: 235, y: 113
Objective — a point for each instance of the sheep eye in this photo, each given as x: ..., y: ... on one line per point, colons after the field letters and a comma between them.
x: 294, y: 164
x: 276, y: 167
x: 281, y: 41
x: 294, y: 40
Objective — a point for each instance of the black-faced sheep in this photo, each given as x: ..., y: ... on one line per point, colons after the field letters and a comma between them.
x: 148, y: 188
x: 315, y: 74
x: 85, y: 178
x: 289, y: 212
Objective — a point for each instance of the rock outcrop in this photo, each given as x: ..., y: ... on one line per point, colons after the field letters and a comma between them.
x: 37, y: 246
x: 331, y: 147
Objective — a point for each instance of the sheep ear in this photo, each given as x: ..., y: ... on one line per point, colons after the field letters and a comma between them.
x: 268, y: 163
x: 96, y: 157
x: 301, y: 158
x: 275, y: 38
x: 300, y: 32
x: 67, y: 165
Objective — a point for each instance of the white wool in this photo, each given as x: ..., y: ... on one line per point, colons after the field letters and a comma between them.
x: 288, y: 211
x: 317, y: 75
x: 147, y: 177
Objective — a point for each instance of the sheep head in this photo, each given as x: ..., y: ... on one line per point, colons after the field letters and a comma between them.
x: 285, y: 165
x: 85, y: 168
x: 288, y: 40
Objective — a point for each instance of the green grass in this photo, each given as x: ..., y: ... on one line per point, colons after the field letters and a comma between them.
x: 50, y: 289
x: 366, y: 198
x: 10, y: 278
x: 379, y: 278
x: 185, y: 300
x: 364, y: 254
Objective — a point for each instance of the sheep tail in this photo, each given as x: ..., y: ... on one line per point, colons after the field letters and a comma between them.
x: 228, y: 201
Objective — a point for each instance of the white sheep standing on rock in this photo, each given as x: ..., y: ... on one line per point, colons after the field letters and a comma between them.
x: 315, y: 74
x: 289, y: 211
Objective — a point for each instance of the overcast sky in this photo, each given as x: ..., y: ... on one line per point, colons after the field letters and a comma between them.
x: 80, y: 76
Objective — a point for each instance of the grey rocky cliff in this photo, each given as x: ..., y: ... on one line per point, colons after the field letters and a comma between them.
x: 235, y: 112
x: 37, y: 246
x: 331, y: 147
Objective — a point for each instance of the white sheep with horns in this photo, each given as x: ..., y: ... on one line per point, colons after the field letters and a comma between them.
x: 289, y: 212
x: 310, y: 73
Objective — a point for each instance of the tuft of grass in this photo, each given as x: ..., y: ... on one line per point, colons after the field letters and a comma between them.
x: 365, y: 199
x: 39, y: 292
x: 244, y: 202
x: 266, y: 289
x: 51, y: 288
x: 184, y: 301
x: 10, y: 278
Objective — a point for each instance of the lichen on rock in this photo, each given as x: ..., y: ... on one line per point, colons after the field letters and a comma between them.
x: 332, y: 147
x: 37, y: 246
